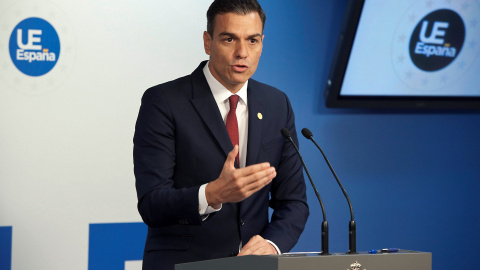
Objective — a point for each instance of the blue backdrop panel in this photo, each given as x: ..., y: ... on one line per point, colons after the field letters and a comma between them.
x: 110, y: 245
x: 413, y: 176
x: 5, y: 248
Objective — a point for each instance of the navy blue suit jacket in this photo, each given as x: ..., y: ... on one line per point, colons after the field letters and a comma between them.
x: 181, y: 143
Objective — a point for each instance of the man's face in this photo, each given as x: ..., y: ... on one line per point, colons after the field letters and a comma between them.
x: 234, y: 48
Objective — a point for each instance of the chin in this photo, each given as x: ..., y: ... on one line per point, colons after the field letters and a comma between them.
x: 241, y: 79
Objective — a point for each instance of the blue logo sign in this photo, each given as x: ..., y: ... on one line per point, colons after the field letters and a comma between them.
x: 112, y: 244
x: 5, y: 248
x: 34, y: 47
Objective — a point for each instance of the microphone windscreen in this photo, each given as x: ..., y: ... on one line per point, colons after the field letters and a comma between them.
x: 307, y: 133
x: 285, y: 133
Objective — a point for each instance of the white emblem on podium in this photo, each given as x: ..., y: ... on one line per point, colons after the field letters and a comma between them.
x: 356, y: 266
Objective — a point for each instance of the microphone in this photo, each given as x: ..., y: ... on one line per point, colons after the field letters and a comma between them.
x: 352, y: 230
x: 286, y: 134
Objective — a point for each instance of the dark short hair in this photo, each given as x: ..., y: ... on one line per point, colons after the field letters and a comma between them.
x: 236, y: 6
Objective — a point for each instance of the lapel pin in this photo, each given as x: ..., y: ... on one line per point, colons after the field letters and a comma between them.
x: 260, y: 116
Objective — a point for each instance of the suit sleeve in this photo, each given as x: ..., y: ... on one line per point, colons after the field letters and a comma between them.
x: 160, y: 202
x: 288, y: 194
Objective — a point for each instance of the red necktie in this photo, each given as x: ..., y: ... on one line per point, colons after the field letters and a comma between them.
x: 232, y: 124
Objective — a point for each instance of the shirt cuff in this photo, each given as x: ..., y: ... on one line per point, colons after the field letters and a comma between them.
x: 275, y: 246
x: 203, y: 207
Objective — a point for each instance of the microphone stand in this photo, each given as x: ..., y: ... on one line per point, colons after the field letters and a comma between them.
x: 352, y: 228
x: 286, y: 135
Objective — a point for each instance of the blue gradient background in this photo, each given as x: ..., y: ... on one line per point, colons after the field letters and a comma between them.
x: 413, y: 176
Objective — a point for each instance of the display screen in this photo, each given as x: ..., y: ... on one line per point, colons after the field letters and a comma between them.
x: 408, y: 54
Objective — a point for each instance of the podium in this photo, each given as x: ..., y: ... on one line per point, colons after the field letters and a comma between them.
x: 402, y: 260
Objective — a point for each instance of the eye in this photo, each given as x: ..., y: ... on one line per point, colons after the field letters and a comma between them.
x: 253, y: 41
x: 229, y: 40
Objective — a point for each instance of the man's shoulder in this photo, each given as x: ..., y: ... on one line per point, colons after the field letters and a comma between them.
x: 180, y: 87
x: 265, y: 89
x: 169, y: 87
x: 260, y: 85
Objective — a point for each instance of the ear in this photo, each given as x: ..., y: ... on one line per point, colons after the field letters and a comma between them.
x: 206, y: 42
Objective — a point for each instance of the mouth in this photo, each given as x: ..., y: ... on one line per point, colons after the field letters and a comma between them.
x: 239, y: 68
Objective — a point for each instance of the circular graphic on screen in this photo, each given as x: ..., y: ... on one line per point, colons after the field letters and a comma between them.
x: 437, y: 40
x: 435, y: 44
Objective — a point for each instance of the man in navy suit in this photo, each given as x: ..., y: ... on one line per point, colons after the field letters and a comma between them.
x: 201, y: 196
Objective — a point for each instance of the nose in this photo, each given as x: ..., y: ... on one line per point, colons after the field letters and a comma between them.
x: 241, y: 50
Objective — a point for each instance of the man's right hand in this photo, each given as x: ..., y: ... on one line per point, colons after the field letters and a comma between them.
x: 234, y: 185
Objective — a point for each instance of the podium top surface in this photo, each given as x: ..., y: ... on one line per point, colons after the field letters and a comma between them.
x: 404, y: 259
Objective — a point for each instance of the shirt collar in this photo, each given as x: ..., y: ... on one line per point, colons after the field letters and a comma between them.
x: 220, y: 93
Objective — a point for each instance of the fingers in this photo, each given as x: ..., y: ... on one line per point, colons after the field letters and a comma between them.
x: 235, y: 185
x: 246, y: 184
x: 255, y: 168
x: 253, y: 177
x: 259, y: 179
x: 257, y: 246
x: 231, y: 157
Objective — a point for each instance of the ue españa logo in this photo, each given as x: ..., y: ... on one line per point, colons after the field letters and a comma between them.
x: 437, y: 40
x: 435, y: 45
x: 34, y: 47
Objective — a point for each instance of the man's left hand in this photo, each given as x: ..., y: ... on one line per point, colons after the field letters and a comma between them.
x: 258, y: 246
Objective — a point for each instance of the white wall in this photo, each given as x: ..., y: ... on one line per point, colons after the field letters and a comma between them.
x: 66, y: 137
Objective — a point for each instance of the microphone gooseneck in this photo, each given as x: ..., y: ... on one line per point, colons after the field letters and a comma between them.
x: 286, y: 134
x: 352, y: 230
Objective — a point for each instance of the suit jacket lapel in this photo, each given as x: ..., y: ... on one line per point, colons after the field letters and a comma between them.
x: 255, y: 119
x: 255, y: 116
x: 204, y: 103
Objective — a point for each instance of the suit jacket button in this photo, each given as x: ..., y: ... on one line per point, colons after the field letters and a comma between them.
x: 242, y: 222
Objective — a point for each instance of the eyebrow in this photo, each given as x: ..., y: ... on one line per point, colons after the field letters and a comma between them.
x: 232, y: 35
